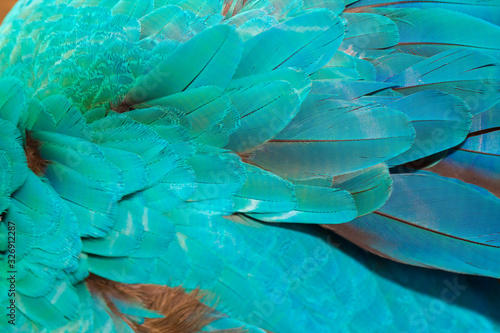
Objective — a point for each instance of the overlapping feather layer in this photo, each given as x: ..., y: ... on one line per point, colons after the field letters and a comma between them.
x: 177, y: 140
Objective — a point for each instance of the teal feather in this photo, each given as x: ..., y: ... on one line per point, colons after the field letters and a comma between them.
x: 160, y: 115
x: 200, y: 8
x: 370, y: 187
x: 179, y: 139
x: 122, y: 269
x: 441, y: 121
x: 13, y: 100
x: 414, y: 233
x: 79, y: 155
x: 204, y: 108
x: 281, y: 8
x: 56, y: 242
x: 54, y: 309
x: 82, y: 270
x: 315, y: 205
x: 279, y: 197
x: 170, y: 22
x: 365, y: 70
x: 336, y: 6
x: 262, y: 115
x: 131, y: 167
x: 4, y: 245
x: 251, y: 27
x: 132, y: 8
x: 114, y: 131
x: 483, y: 9
x: 13, y: 153
x: 229, y: 323
x: 287, y: 45
x: 297, y: 79
x: 427, y: 32
x: 369, y: 36
x: 392, y: 64
x: 465, y: 74
x: 348, y: 89
x: 176, y: 187
x: 80, y: 162
x: 344, y: 66
x: 313, y: 141
x: 133, y: 104
x: 184, y: 69
x: 217, y: 175
x: 486, y: 120
x: 63, y: 117
x: 476, y: 160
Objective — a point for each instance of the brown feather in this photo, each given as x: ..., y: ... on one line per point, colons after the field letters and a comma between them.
x: 184, y: 312
x: 35, y: 161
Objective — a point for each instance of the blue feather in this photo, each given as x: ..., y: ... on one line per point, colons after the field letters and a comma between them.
x: 369, y: 36
x: 483, y: 9
x: 369, y: 187
x: 13, y: 100
x: 186, y: 68
x: 441, y: 121
x: 264, y: 109
x: 293, y: 44
x: 434, y: 237
x: 279, y: 197
x: 315, y: 205
x: 466, y: 74
x: 427, y: 32
x: 326, y: 132
x: 477, y: 159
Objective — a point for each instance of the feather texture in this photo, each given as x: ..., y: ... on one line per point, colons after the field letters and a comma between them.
x: 465, y: 74
x: 163, y: 143
x: 313, y: 142
x: 422, y: 237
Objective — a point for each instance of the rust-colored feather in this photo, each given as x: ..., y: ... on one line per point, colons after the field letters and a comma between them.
x: 184, y: 313
x: 35, y: 161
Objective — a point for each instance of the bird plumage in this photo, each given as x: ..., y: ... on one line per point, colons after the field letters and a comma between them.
x: 200, y: 143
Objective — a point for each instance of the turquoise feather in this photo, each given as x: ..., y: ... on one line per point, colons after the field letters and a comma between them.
x: 313, y: 141
x: 392, y: 64
x: 316, y: 205
x: 369, y: 36
x: 415, y: 233
x: 137, y: 232
x: 184, y: 69
x: 441, y: 121
x: 425, y: 32
x: 370, y: 188
x: 13, y: 154
x: 262, y: 115
x: 195, y: 143
x: 296, y: 78
x: 349, y: 89
x: 13, y: 98
x: 229, y: 323
x: 307, y: 51
x: 279, y: 197
x: 476, y: 160
x: 482, y: 9
x: 465, y: 74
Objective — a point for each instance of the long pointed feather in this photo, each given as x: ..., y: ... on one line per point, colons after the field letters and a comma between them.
x: 434, y: 237
x: 306, y: 42
x: 466, y: 74
x: 187, y: 68
x: 332, y: 138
